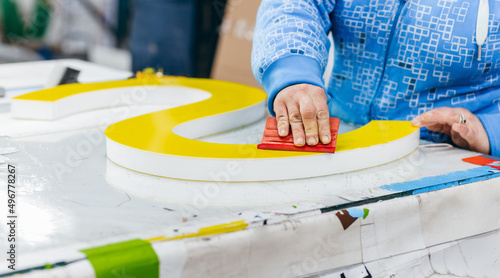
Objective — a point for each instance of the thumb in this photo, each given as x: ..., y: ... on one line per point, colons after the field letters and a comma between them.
x: 477, y: 140
x: 466, y: 134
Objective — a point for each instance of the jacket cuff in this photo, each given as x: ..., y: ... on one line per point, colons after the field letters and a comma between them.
x: 491, y: 123
x: 289, y: 71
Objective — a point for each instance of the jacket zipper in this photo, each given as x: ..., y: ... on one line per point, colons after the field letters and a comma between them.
x: 402, y: 4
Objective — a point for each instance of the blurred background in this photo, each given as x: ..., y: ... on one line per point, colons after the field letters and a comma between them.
x: 196, y: 38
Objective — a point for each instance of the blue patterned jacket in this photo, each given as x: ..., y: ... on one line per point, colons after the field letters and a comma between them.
x: 393, y: 59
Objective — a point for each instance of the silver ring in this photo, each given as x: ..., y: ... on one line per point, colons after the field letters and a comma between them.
x: 462, y: 119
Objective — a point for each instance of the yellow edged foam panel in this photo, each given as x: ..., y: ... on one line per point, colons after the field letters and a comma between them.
x: 163, y: 143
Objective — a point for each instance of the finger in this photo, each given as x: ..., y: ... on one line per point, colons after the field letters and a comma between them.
x: 475, y: 135
x: 442, y: 128
x: 308, y: 113
x: 459, y: 134
x: 281, y: 118
x: 439, y: 116
x: 297, y: 126
x: 323, y: 117
x: 473, y: 138
x: 465, y: 132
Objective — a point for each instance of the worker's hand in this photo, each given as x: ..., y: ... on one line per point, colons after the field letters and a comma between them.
x: 304, y: 109
x: 469, y: 135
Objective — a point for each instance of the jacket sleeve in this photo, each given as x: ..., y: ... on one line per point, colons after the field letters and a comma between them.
x: 290, y: 44
x: 491, y: 123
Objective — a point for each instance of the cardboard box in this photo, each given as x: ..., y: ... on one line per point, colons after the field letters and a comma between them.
x: 234, y: 49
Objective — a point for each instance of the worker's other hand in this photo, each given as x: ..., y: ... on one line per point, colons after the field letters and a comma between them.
x: 469, y: 135
x: 304, y: 109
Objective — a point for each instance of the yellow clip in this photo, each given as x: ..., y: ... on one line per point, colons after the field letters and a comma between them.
x: 149, y: 73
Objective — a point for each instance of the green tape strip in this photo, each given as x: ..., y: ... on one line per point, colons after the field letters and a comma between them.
x: 134, y: 258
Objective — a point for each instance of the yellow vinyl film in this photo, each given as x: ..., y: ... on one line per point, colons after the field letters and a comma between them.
x: 153, y: 132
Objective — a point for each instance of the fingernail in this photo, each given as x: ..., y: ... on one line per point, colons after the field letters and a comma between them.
x: 282, y: 132
x: 299, y: 142
x: 312, y: 141
x: 326, y: 139
x: 416, y: 121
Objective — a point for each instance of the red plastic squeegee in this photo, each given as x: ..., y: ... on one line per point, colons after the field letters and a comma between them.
x: 272, y: 141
